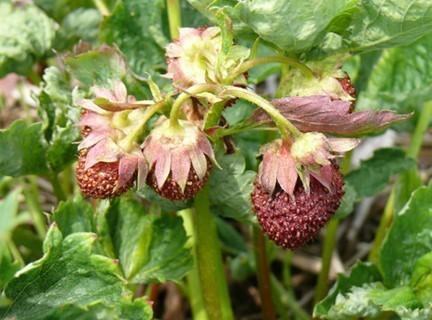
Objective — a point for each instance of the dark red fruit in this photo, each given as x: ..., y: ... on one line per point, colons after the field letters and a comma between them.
x: 171, y: 190
x: 101, y: 180
x: 292, y: 223
x: 347, y: 85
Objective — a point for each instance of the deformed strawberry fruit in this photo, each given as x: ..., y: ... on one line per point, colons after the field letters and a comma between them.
x: 299, y: 187
x: 179, y: 159
x: 102, y: 179
x: 292, y: 221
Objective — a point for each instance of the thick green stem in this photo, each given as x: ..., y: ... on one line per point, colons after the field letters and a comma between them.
x: 194, y: 288
x: 329, y: 243
x: 420, y: 130
x: 129, y: 142
x: 209, y: 260
x: 31, y: 193
x: 263, y: 274
x: 272, y: 59
x: 174, y: 18
x: 284, y: 125
x: 412, y: 152
x: 383, y: 227
x: 102, y: 7
x: 57, y: 188
x: 15, y: 252
x: 185, y: 96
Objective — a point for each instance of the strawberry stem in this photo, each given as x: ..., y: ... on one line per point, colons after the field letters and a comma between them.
x: 286, y: 128
x: 185, y: 96
x: 174, y: 18
x: 307, y: 72
x: 209, y: 261
x: 129, y: 142
x: 330, y: 243
x: 263, y: 274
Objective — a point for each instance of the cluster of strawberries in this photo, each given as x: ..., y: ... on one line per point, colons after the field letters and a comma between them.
x: 298, y: 187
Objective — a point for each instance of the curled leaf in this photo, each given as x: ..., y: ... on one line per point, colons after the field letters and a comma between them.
x: 322, y: 114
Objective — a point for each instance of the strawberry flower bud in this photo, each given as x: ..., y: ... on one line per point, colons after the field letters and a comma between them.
x: 179, y: 158
x: 194, y: 58
x: 108, y: 162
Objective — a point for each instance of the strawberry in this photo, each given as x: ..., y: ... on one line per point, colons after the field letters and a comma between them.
x: 292, y: 221
x: 100, y: 180
x: 179, y: 158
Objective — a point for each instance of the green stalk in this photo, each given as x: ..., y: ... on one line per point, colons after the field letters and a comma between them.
x: 209, y: 261
x: 412, y: 152
x: 130, y: 140
x: 185, y: 96
x: 174, y: 18
x: 194, y: 288
x: 102, y: 7
x: 329, y: 244
x: 385, y: 222
x: 272, y: 59
x: 420, y: 130
x: 263, y: 274
x: 15, y: 252
x: 57, y: 188
x: 31, y: 194
x: 285, y: 127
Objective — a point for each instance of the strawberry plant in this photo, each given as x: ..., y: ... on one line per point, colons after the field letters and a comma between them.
x: 215, y: 159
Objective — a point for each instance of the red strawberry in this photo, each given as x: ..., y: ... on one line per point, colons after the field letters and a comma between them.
x: 293, y: 221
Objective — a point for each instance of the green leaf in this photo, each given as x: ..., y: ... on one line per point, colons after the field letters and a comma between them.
x: 58, y: 9
x: 139, y: 309
x: 374, y: 173
x: 231, y: 239
x: 401, y: 79
x: 22, y: 150
x: 391, y: 300
x: 231, y: 187
x: 149, y: 248
x: 136, y: 27
x: 386, y: 23
x: 291, y: 25
x: 347, y: 203
x: 59, y: 119
x: 361, y: 274
x: 73, y: 216
x: 26, y: 34
x: 97, y: 67
x: 68, y: 273
x: 7, y: 266
x: 421, y: 279
x: 408, y: 239
x: 165, y: 205
x: 8, y: 214
x: 80, y: 24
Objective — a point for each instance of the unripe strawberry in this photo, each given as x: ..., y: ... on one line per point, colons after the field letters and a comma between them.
x: 179, y: 159
x: 292, y: 221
